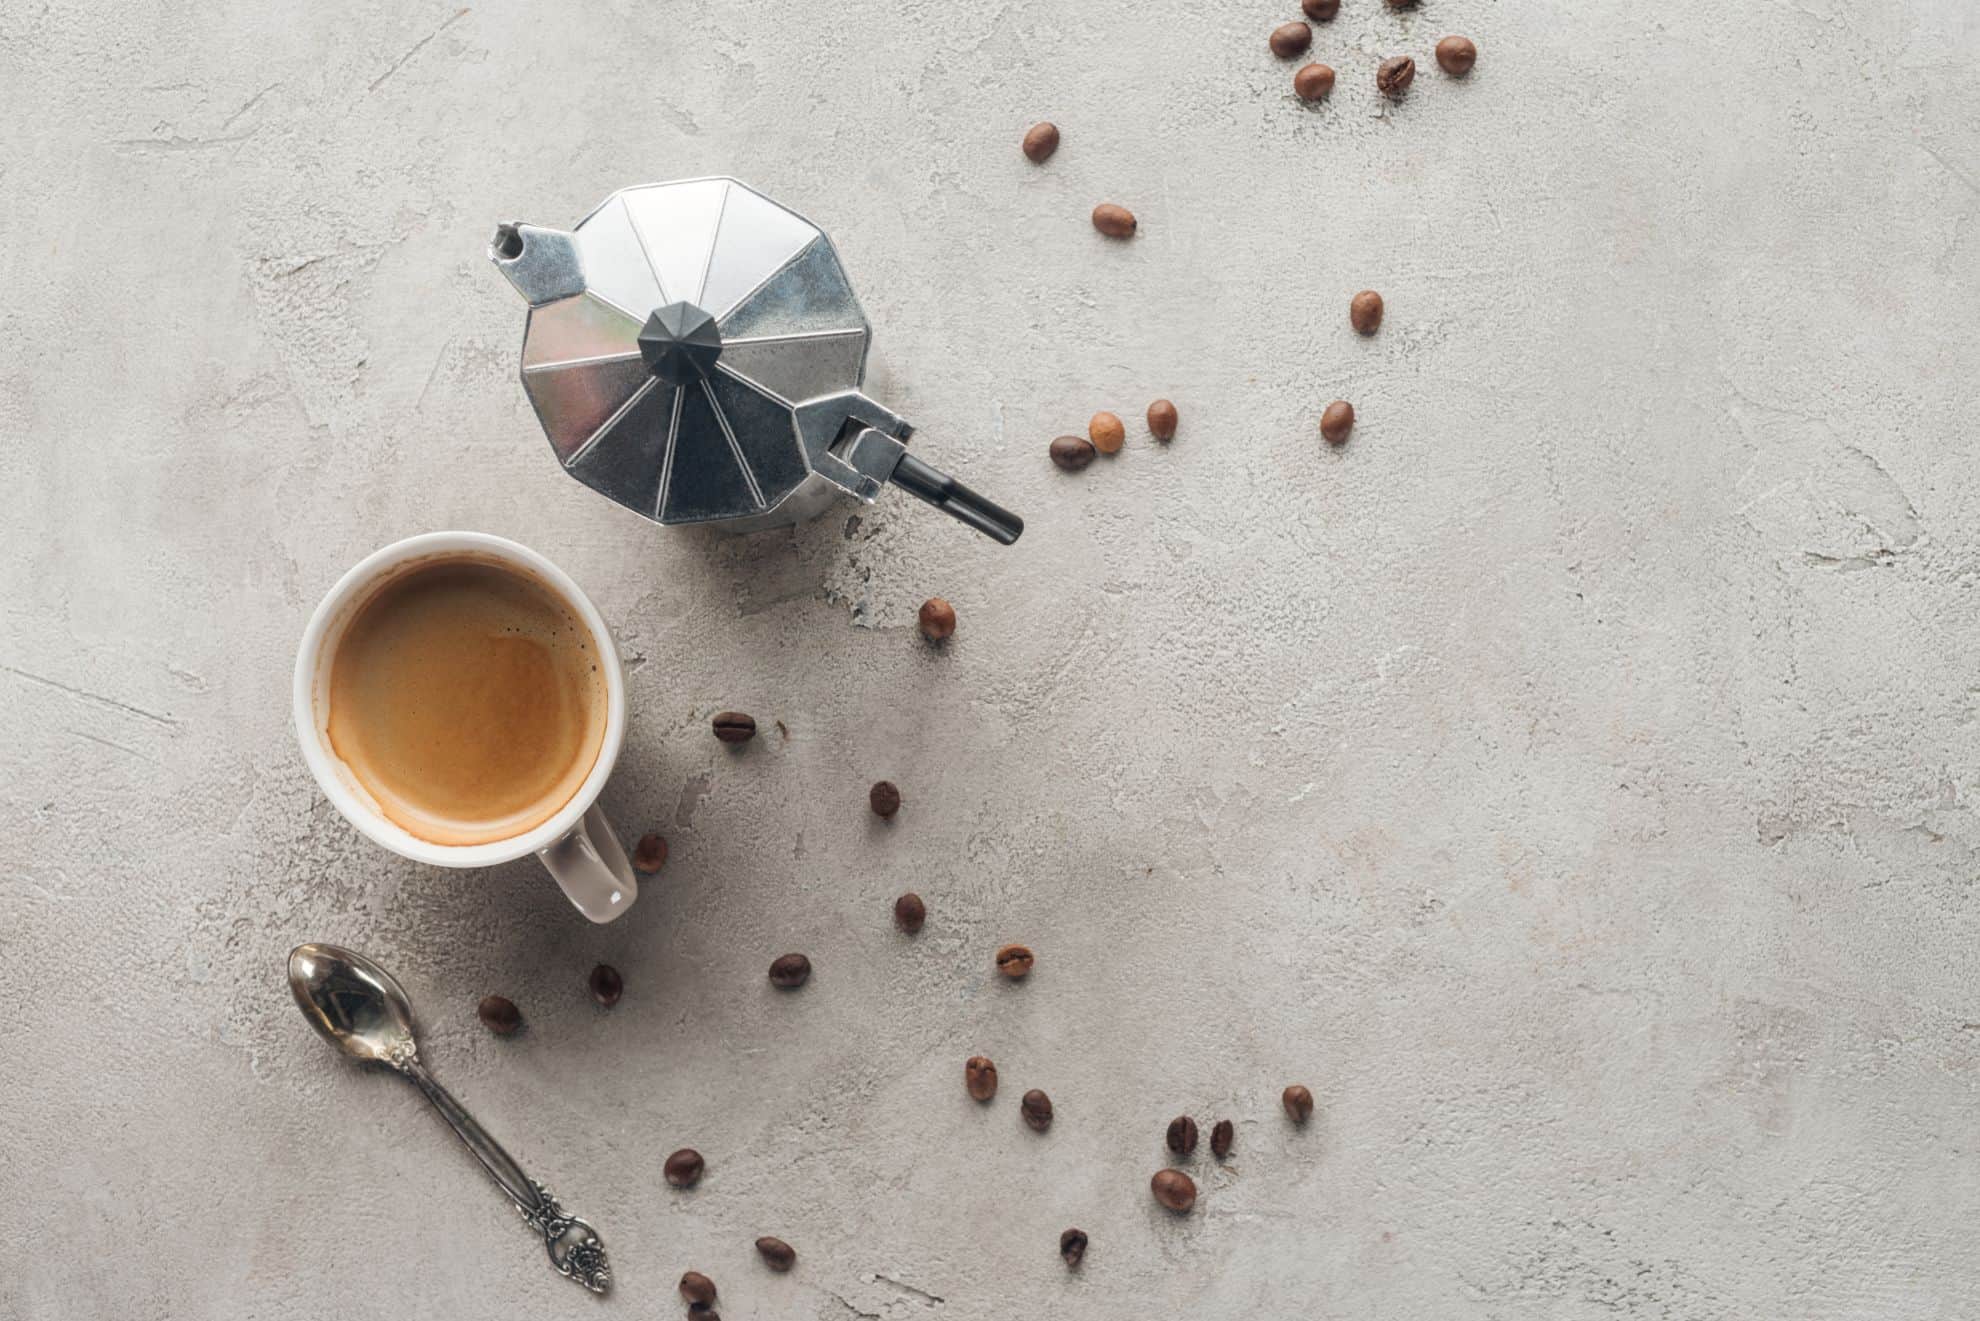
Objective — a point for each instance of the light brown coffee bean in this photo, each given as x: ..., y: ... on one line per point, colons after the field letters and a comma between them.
x: 1071, y: 453
x: 980, y: 1077
x: 1314, y: 82
x: 910, y: 912
x: 1290, y: 39
x: 1036, y: 1107
x: 1014, y: 961
x: 1395, y: 76
x: 1221, y: 1138
x: 1365, y: 312
x: 607, y: 985
x: 1298, y: 1103
x: 1162, y: 420
x: 1320, y: 11
x: 499, y: 1015
x: 1072, y: 1246
x: 1116, y: 222
x: 698, y: 1289
x: 1182, y: 1135
x: 1106, y: 433
x: 884, y: 798
x: 790, y: 971
x: 1040, y: 141
x: 1456, y: 56
x: 777, y: 1254
x: 1173, y: 1189
x: 650, y: 854
x: 734, y: 726
x: 937, y: 619
x: 683, y: 1168
x: 1337, y: 421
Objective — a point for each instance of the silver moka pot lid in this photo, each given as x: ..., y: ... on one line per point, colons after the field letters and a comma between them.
x: 695, y: 352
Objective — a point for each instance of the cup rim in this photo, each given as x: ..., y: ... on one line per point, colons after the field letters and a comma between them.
x: 325, y: 765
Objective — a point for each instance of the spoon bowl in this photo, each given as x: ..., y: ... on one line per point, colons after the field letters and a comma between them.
x: 352, y: 1003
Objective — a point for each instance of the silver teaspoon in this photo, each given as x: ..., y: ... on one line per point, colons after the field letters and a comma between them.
x: 360, y: 1009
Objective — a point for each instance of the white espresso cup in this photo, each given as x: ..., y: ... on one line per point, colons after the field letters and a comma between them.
x: 577, y: 844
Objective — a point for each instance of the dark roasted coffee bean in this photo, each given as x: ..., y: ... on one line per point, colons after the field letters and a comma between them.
x: 1014, y: 961
x: 777, y: 1254
x: 683, y: 1168
x: 1182, y: 1135
x: 698, y: 1289
x: 1337, y: 421
x: 1116, y: 222
x: 1314, y: 82
x: 910, y: 912
x: 980, y: 1076
x: 1321, y: 11
x: 1456, y: 56
x: 1221, y: 1137
x: 1162, y: 420
x: 884, y: 798
x: 734, y: 727
x: 606, y: 984
x: 790, y: 971
x: 499, y: 1014
x: 650, y: 854
x: 1036, y: 1107
x: 1365, y: 312
x: 1072, y: 1246
x: 1040, y: 141
x: 1173, y: 1189
x: 937, y: 619
x: 1290, y: 39
x: 1298, y: 1103
x: 1072, y: 452
x: 1395, y: 76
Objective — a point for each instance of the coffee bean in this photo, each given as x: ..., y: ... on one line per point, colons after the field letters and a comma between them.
x: 1314, y: 82
x: 1116, y: 222
x: 650, y: 854
x: 1321, y: 11
x: 910, y: 912
x: 1456, y: 56
x: 1106, y: 433
x: 884, y: 798
x: 698, y: 1289
x: 734, y: 727
x: 1402, y: 4
x: 1162, y: 420
x: 937, y: 619
x: 499, y: 1014
x: 1182, y: 1135
x: 1221, y: 1137
x: 1290, y: 39
x: 1298, y: 1103
x: 1072, y: 1246
x: 1014, y: 961
x: 683, y: 1168
x: 1395, y: 76
x: 1173, y: 1189
x: 1040, y: 141
x: 1036, y: 1107
x: 980, y: 1077
x: 1365, y: 311
x: 1072, y: 453
x: 777, y: 1254
x: 790, y: 971
x: 606, y: 984
x: 1337, y: 421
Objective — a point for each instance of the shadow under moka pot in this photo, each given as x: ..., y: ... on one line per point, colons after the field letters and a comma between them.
x: 695, y: 352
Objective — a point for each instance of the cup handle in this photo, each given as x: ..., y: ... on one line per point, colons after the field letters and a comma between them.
x: 591, y: 865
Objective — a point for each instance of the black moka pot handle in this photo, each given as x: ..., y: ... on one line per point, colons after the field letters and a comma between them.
x: 958, y: 501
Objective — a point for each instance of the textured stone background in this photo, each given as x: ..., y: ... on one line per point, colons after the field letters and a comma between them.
x: 1571, y: 779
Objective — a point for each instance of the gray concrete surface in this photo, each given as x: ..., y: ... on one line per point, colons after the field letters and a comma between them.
x: 1571, y: 780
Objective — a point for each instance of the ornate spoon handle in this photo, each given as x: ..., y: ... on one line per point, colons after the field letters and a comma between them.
x: 574, y: 1246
